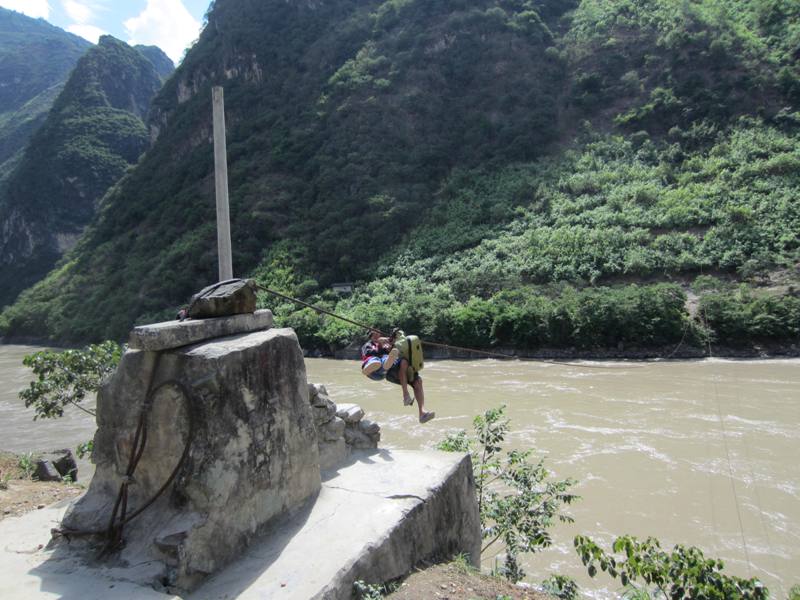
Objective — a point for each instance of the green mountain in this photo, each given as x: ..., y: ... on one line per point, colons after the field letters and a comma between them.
x: 163, y: 63
x: 521, y: 173
x: 92, y: 134
x: 35, y: 60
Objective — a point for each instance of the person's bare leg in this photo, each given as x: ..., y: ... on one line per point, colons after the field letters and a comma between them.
x: 424, y: 417
x: 403, y: 376
x: 420, y: 395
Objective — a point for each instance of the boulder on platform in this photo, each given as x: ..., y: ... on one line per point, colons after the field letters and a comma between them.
x: 252, y: 455
x: 223, y: 299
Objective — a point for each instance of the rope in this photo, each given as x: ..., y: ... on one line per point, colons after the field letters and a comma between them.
x: 727, y: 450
x: 733, y: 483
x: 427, y: 343
x: 114, y: 531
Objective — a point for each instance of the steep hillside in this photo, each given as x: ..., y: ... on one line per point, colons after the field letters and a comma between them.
x: 93, y: 132
x: 163, y: 63
x: 509, y: 172
x: 35, y: 60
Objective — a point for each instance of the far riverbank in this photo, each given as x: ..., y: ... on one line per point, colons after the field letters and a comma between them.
x: 682, y: 351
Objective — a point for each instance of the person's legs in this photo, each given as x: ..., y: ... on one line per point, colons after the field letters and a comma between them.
x: 372, y: 365
x: 403, y: 376
x: 390, y: 359
x: 424, y: 417
x: 419, y: 394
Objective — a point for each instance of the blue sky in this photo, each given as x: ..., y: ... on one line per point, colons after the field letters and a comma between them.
x: 170, y: 24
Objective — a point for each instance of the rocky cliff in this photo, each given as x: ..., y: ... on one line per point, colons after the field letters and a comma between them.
x: 92, y: 134
x: 163, y: 63
x: 35, y: 61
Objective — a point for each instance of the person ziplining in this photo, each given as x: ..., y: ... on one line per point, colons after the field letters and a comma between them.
x: 397, y: 359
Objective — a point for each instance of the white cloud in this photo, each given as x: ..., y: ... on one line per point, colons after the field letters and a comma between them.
x: 32, y: 8
x: 79, y: 12
x: 87, y: 32
x: 166, y: 24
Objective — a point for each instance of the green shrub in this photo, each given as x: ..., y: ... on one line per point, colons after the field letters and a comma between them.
x: 648, y: 571
x: 518, y: 502
x: 743, y: 316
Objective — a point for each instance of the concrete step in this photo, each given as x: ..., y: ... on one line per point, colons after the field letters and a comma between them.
x: 374, y: 519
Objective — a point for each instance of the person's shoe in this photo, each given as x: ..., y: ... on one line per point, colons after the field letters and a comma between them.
x: 408, y: 400
x: 425, y: 417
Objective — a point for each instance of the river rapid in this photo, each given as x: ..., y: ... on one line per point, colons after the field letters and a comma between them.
x: 703, y: 453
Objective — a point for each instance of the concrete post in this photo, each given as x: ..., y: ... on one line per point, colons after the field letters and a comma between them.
x: 221, y: 184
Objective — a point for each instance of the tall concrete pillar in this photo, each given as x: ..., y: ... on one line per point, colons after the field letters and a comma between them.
x: 221, y: 184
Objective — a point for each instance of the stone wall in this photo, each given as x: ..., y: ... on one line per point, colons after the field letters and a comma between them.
x: 340, y: 429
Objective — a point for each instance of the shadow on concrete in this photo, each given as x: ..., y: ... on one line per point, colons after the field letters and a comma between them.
x: 73, y: 572
x: 239, y: 575
x: 369, y: 457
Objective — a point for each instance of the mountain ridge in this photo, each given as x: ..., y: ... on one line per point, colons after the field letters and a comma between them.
x: 35, y: 60
x: 92, y: 134
x: 408, y: 145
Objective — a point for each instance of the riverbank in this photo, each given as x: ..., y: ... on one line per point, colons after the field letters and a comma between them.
x: 20, y: 494
x: 682, y: 351
x: 621, y: 352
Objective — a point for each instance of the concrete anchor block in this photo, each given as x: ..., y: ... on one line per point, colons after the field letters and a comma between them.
x: 254, y: 455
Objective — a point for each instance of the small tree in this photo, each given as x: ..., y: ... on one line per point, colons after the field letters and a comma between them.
x: 67, y: 377
x: 517, y: 501
x: 647, y: 571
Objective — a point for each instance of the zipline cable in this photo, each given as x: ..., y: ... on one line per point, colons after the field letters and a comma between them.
x: 427, y: 343
x: 727, y: 450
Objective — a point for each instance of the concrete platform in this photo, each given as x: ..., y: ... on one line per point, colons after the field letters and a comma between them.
x: 374, y: 519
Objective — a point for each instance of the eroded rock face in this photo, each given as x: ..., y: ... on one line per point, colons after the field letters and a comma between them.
x: 252, y: 455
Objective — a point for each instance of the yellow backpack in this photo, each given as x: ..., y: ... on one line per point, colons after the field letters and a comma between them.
x: 410, y: 348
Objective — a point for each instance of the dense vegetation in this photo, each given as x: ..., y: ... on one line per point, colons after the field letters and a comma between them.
x: 92, y: 134
x: 518, y: 173
x: 35, y: 60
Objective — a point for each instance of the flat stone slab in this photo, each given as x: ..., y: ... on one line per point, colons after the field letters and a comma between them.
x: 351, y: 413
x: 174, y: 334
x: 374, y: 519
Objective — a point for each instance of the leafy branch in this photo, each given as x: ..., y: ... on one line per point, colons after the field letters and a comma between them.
x: 67, y: 377
x: 647, y: 571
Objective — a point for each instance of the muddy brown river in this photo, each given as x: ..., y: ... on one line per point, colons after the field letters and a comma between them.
x: 705, y: 453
